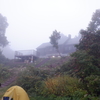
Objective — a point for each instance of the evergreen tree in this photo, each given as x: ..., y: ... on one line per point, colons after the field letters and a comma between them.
x: 87, y: 57
x: 90, y: 38
x: 94, y: 24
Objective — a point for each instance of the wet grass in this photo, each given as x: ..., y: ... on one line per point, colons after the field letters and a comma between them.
x: 2, y: 91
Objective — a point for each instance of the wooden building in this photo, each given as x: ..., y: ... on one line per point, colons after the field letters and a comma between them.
x: 25, y: 55
x: 66, y: 47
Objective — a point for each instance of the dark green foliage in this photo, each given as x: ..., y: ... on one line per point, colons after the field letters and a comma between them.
x: 77, y: 97
x: 85, y: 62
x: 28, y: 79
x: 90, y: 42
x: 51, y: 97
x: 93, y: 84
x: 32, y: 78
x: 87, y: 58
x: 94, y: 24
x: 86, y: 67
x: 4, y: 73
x: 55, y: 98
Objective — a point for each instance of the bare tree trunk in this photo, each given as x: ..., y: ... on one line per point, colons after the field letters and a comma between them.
x: 59, y: 52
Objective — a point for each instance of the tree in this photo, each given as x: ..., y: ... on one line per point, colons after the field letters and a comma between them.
x: 90, y: 40
x: 3, y: 26
x: 85, y: 62
x: 94, y: 24
x: 87, y: 56
x: 3, y: 39
x: 54, y: 39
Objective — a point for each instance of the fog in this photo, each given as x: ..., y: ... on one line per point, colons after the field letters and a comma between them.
x: 31, y: 22
x: 8, y: 52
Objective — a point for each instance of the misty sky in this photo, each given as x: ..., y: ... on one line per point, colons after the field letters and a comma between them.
x: 31, y: 22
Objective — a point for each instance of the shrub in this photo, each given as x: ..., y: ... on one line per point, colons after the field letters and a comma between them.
x: 61, y: 85
x: 3, y: 59
x: 93, y: 84
x: 28, y: 78
x: 82, y: 65
x: 4, y: 73
x: 31, y: 79
x: 81, y: 94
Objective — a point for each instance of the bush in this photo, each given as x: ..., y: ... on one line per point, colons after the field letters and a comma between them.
x: 82, y: 65
x: 28, y: 78
x: 3, y: 59
x: 93, y: 84
x: 61, y: 85
x: 51, y: 98
x: 4, y: 73
x: 81, y: 94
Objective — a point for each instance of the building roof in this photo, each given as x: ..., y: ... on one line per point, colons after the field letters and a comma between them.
x: 63, y: 40
x: 43, y: 45
x: 73, y: 41
x: 60, y: 41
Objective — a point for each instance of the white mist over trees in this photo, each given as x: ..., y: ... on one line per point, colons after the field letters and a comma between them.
x: 3, y: 26
x: 4, y: 49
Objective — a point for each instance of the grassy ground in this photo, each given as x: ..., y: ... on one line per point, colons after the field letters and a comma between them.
x: 2, y: 91
x: 17, y: 70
